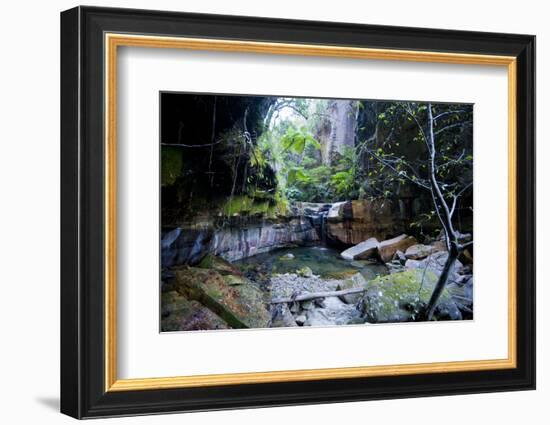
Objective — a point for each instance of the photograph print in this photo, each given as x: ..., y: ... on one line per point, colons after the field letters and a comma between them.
x: 298, y: 212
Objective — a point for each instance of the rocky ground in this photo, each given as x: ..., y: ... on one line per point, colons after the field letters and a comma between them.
x: 217, y: 295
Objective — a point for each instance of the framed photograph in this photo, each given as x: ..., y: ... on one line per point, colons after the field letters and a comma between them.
x: 261, y: 212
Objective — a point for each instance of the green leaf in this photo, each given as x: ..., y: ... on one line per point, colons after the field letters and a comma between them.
x: 291, y: 176
x: 295, y: 140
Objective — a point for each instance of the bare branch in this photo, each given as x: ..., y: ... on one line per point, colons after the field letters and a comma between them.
x: 452, y: 161
x: 409, y: 111
x: 448, y: 113
x: 417, y: 181
x: 183, y: 145
x: 448, y: 127
x: 455, y: 197
x: 466, y: 245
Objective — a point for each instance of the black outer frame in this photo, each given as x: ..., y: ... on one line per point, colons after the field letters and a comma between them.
x: 82, y: 212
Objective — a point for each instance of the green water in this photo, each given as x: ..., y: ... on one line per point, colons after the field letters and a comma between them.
x: 323, y: 261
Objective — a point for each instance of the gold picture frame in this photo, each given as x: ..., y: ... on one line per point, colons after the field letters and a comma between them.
x: 91, y: 40
x: 114, y: 41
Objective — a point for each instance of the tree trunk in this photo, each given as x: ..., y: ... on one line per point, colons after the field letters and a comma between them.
x: 441, y: 283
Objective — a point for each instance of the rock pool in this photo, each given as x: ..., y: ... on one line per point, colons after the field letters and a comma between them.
x: 323, y: 261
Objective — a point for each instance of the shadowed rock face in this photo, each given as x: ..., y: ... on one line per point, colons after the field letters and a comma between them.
x: 347, y: 223
x: 234, y: 242
x: 353, y: 222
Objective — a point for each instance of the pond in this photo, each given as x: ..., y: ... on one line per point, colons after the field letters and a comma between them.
x: 323, y: 261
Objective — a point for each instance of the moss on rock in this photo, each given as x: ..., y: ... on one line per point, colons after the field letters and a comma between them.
x: 340, y: 274
x: 220, y: 265
x: 400, y: 297
x: 241, y: 306
x: 180, y: 314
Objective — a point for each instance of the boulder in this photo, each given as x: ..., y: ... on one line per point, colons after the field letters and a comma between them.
x: 400, y: 297
x: 419, y: 251
x: 395, y: 266
x: 400, y: 257
x: 301, y: 319
x: 305, y: 272
x: 439, y: 245
x: 241, y: 306
x: 336, y: 211
x: 435, y: 264
x: 333, y: 312
x: 281, y: 317
x: 462, y: 293
x: 362, y: 250
x: 180, y: 314
x: 388, y: 248
x: 356, y: 281
x: 317, y: 317
x: 466, y: 257
x: 220, y: 265
x: 232, y: 279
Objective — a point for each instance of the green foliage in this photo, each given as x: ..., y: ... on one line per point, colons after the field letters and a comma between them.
x: 343, y: 182
x: 324, y: 183
x: 389, y: 157
x: 171, y: 165
x: 297, y: 174
x: 295, y: 140
x: 257, y: 158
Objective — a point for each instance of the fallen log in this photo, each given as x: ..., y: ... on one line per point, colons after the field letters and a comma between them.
x: 314, y: 295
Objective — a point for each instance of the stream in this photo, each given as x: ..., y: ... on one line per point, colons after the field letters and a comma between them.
x: 323, y: 261
x: 312, y: 269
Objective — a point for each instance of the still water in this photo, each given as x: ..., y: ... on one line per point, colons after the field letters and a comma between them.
x: 323, y: 261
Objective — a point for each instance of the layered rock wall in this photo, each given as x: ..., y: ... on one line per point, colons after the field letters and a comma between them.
x: 188, y: 244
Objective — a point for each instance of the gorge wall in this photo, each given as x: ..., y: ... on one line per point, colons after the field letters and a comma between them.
x: 342, y: 223
x: 242, y: 237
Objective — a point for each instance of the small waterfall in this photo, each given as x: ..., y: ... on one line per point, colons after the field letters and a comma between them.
x: 318, y: 219
x: 323, y: 227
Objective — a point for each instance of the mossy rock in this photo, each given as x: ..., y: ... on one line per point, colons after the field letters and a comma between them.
x: 231, y: 279
x: 180, y: 314
x: 266, y: 205
x: 400, y: 297
x: 287, y: 257
x: 241, y: 306
x: 305, y: 272
x: 220, y: 265
x: 246, y: 205
x: 341, y: 274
